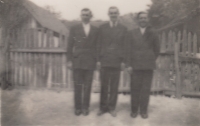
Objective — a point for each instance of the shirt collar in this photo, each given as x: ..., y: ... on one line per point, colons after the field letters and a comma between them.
x: 111, y: 23
x: 143, y: 28
x: 86, y: 25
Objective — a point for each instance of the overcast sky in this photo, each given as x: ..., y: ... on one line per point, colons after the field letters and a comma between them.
x: 70, y: 9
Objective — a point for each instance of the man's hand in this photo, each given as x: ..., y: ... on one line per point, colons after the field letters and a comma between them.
x: 98, y: 65
x: 69, y: 64
x: 130, y: 69
x: 123, y: 66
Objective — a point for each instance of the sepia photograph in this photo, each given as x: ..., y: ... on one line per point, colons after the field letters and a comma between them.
x: 100, y: 62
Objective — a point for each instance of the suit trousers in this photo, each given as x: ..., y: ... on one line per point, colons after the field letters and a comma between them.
x: 140, y: 90
x: 82, y: 88
x: 109, y: 88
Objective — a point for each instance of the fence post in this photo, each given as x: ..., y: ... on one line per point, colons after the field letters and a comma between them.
x: 178, y: 79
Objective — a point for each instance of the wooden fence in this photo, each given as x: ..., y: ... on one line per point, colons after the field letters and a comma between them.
x: 38, y: 59
x: 178, y: 70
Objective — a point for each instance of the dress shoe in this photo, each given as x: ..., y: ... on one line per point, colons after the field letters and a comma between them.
x: 144, y: 116
x: 100, y: 113
x: 77, y: 112
x: 134, y: 115
x: 113, y: 113
x: 85, y: 112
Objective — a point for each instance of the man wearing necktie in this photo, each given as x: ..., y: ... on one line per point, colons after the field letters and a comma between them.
x: 143, y: 50
x: 82, y: 57
x: 111, y: 57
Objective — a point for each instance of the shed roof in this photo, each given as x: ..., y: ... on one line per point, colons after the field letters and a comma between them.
x: 45, y: 18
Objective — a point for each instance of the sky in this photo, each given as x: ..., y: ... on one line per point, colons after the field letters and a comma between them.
x: 70, y: 9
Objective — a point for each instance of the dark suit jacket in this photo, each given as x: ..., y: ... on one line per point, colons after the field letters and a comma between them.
x: 111, y: 45
x: 142, y: 50
x: 82, y: 50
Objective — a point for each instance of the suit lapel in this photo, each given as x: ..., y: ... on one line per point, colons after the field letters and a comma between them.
x: 139, y: 35
x: 90, y: 32
x: 146, y: 33
x: 143, y: 39
x: 82, y: 32
x: 114, y: 33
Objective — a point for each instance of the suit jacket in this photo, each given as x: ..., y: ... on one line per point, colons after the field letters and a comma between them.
x: 111, y: 45
x: 142, y: 50
x: 82, y: 49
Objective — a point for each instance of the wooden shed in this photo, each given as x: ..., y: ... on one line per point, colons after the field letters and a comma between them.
x: 37, y: 50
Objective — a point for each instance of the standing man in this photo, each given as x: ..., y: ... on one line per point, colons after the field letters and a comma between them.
x: 143, y: 50
x: 82, y: 58
x: 111, y: 56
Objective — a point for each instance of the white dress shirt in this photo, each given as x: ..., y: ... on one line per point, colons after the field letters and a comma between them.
x: 142, y: 30
x: 86, y: 28
x: 111, y: 24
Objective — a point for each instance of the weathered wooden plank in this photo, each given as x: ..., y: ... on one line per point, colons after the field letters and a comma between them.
x: 11, y: 68
x: 18, y: 36
x: 49, y: 78
x: 40, y: 38
x: 20, y: 69
x: 64, y: 69
x: 25, y: 68
x: 31, y: 44
x: 178, y: 79
x: 36, y: 42
x: 40, y: 69
x: 16, y: 68
x: 60, y: 44
x: 173, y: 40
x: 195, y: 44
x: 169, y: 41
x: 28, y: 39
x: 51, y: 40
x: 29, y: 69
x: 54, y: 74
x: 163, y: 43
x: 44, y: 64
x: 59, y: 69
x: 189, y: 43
x: 24, y: 38
x: 34, y: 70
x: 44, y: 38
x: 56, y: 41
x: 48, y: 34
x: 184, y: 41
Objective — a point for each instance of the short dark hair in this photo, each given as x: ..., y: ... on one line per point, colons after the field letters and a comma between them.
x: 86, y: 9
x: 141, y: 12
x: 113, y: 7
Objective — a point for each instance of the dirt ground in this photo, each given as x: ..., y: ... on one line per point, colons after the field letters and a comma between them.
x: 52, y: 108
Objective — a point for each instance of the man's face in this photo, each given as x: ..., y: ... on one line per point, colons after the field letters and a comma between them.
x: 113, y: 14
x: 143, y: 20
x: 86, y: 16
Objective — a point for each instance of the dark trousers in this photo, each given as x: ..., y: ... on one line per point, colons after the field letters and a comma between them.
x: 109, y: 88
x: 82, y: 88
x: 140, y: 90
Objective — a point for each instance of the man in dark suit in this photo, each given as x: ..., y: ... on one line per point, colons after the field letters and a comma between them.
x: 111, y: 56
x: 143, y: 50
x: 82, y: 57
